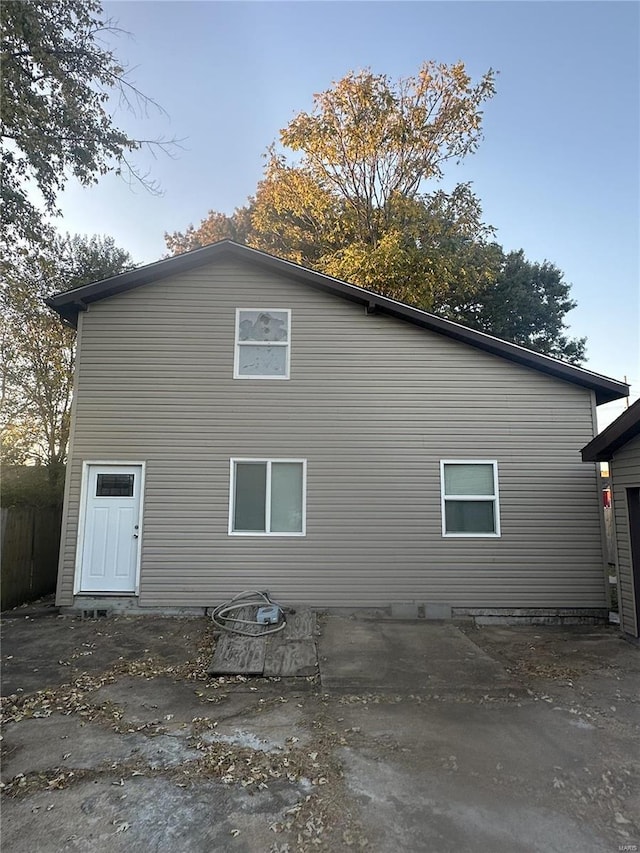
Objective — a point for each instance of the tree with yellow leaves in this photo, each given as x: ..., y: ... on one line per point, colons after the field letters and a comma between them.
x: 353, y: 199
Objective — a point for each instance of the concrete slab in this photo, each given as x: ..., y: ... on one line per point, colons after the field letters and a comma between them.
x: 171, y: 704
x: 425, y: 746
x: 146, y: 814
x: 70, y: 743
x: 49, y: 652
x: 413, y: 657
x: 502, y: 743
x: 434, y: 812
x: 269, y: 730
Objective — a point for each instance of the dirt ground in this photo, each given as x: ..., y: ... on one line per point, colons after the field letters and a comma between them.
x: 412, y: 737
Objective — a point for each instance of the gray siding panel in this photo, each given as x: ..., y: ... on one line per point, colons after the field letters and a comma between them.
x: 373, y: 404
x: 625, y: 474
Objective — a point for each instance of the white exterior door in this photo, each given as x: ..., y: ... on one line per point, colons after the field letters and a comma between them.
x: 111, y: 540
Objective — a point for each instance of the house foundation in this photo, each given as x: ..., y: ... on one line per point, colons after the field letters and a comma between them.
x: 95, y: 606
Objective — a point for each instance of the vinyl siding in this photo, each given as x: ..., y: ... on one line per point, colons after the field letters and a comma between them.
x: 625, y: 473
x: 373, y: 405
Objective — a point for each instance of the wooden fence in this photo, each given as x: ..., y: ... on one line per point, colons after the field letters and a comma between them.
x: 30, y: 548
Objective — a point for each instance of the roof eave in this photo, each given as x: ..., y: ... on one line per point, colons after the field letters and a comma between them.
x: 69, y: 303
x: 604, y: 446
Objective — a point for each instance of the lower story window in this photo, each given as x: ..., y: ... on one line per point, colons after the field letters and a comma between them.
x: 267, y: 497
x: 470, y: 504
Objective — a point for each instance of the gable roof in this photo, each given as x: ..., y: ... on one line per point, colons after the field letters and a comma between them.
x: 615, y: 436
x: 69, y: 303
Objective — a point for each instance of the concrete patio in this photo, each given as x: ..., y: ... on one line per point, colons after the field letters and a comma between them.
x: 415, y: 736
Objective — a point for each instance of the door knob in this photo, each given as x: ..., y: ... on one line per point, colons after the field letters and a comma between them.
x: 135, y: 535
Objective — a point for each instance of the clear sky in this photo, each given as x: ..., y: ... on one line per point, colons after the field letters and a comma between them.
x: 558, y: 171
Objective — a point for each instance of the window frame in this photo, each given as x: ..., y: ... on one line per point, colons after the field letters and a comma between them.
x: 494, y: 498
x: 238, y: 343
x: 131, y: 483
x: 232, y: 496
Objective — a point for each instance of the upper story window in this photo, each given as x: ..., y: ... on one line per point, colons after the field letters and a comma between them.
x: 262, y: 349
x: 470, y: 505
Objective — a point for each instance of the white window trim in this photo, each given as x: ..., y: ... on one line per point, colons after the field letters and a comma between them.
x: 238, y: 344
x: 232, y: 496
x: 495, y: 499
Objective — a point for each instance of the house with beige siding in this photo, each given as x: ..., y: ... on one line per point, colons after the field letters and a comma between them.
x: 619, y: 445
x: 241, y: 422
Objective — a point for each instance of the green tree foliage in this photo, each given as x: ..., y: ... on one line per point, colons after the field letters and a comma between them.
x: 351, y: 202
x: 30, y: 485
x: 58, y: 82
x: 215, y: 227
x: 526, y: 303
x: 435, y: 253
x: 38, y: 351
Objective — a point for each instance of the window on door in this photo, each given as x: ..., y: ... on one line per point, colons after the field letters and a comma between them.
x: 114, y: 485
x: 267, y: 497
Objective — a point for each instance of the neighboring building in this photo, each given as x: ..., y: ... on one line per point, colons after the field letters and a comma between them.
x: 619, y: 445
x: 241, y: 422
